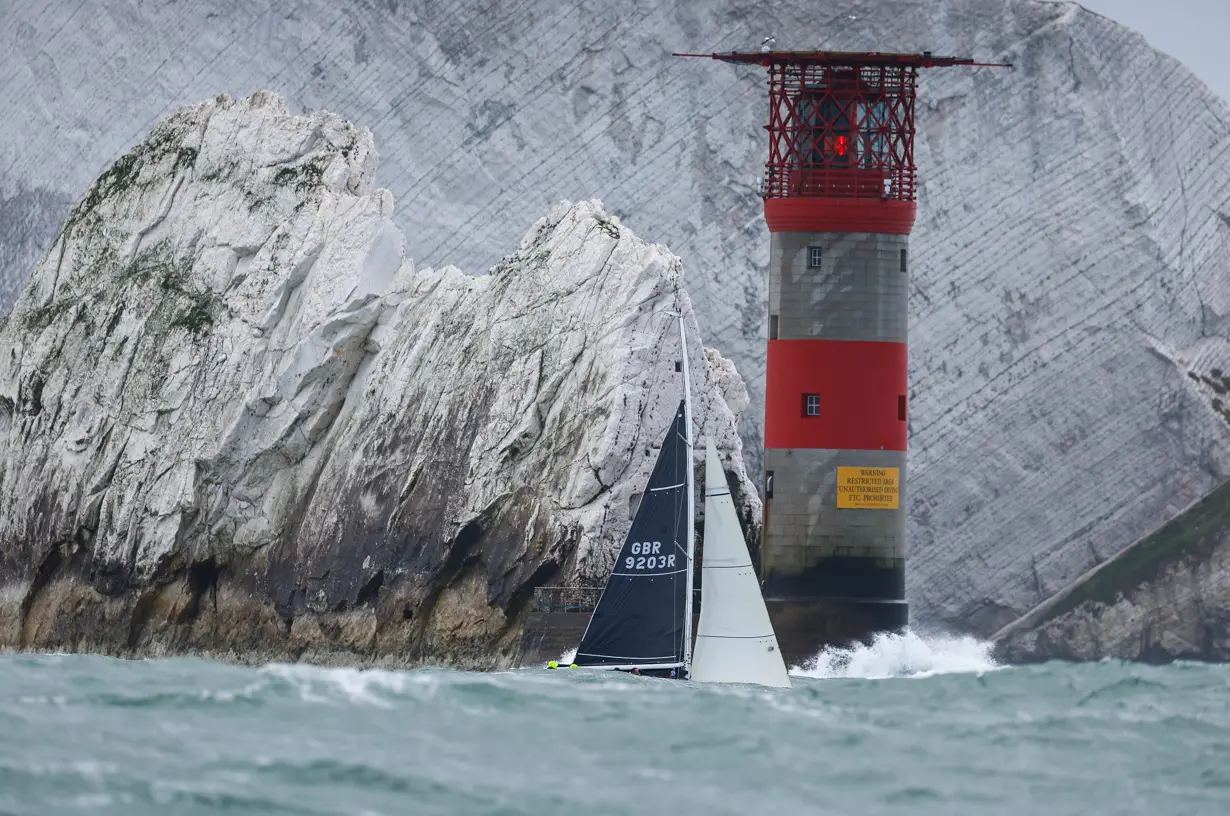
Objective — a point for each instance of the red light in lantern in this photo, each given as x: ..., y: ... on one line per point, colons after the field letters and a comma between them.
x: 837, y: 146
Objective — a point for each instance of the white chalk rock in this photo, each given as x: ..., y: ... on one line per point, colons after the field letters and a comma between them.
x: 225, y: 358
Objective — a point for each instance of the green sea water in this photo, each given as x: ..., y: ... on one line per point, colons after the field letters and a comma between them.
x: 908, y: 726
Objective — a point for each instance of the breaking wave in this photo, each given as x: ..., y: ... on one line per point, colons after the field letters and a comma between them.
x: 902, y: 655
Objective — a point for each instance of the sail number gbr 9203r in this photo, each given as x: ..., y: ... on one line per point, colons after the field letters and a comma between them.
x: 647, y: 556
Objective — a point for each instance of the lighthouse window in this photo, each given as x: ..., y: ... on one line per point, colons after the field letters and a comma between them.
x: 901, y: 408
x: 826, y: 135
x: 903, y: 262
x: 811, y: 405
x: 814, y: 256
x: 873, y: 123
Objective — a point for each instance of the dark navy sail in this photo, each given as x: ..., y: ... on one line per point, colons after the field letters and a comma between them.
x: 639, y: 620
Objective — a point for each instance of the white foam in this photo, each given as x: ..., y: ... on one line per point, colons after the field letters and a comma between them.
x: 904, y: 655
x: 317, y: 684
x: 567, y: 657
x: 248, y: 692
x: 92, y: 770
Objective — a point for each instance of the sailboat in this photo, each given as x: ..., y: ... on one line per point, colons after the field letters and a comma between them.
x: 643, y: 619
x: 735, y: 641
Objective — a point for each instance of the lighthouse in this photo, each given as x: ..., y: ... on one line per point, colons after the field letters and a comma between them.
x: 840, y: 191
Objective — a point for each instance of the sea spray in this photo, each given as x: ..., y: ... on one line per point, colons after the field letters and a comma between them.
x: 908, y: 654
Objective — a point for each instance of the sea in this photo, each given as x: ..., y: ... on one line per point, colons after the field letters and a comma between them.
x: 909, y: 725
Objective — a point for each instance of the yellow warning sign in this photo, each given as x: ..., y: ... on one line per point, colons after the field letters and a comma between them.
x: 860, y: 488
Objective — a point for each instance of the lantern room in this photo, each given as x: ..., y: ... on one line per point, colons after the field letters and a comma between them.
x: 841, y: 138
x: 841, y: 131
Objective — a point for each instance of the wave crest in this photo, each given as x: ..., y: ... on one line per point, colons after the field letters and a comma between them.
x: 902, y: 655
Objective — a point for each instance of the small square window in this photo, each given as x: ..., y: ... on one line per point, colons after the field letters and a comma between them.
x: 815, y: 255
x: 811, y: 405
x: 904, y: 261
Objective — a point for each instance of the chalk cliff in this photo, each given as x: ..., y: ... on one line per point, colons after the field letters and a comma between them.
x: 1165, y: 598
x: 235, y: 420
x: 1070, y: 265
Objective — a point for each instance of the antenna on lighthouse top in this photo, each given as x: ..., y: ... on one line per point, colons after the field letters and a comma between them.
x: 768, y: 57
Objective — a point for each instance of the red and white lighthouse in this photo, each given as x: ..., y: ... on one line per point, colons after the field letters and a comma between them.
x: 839, y: 198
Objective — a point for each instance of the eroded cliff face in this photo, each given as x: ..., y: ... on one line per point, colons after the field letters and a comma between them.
x: 1068, y: 269
x: 235, y: 420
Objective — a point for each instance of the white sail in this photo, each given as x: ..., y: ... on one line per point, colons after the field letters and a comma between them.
x: 735, y: 642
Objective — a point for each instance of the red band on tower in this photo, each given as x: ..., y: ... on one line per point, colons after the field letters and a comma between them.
x: 839, y: 215
x: 859, y: 386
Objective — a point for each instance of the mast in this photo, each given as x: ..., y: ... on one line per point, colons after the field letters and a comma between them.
x: 691, y: 490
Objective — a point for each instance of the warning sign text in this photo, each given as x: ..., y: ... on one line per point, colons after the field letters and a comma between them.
x: 860, y: 488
